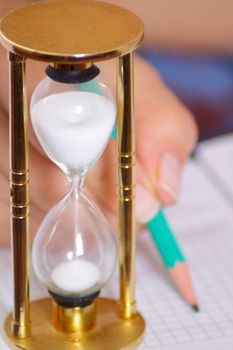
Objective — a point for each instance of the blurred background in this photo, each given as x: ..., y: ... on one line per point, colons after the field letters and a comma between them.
x: 204, y: 82
x: 190, y: 42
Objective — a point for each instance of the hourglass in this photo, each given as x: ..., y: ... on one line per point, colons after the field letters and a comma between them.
x: 73, y: 113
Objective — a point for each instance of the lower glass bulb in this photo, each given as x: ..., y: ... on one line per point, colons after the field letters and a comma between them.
x: 74, y: 252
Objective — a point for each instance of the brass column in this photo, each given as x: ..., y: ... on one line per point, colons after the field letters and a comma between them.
x: 19, y: 207
x: 126, y: 161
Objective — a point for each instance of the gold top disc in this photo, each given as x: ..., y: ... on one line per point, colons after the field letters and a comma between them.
x: 71, y: 31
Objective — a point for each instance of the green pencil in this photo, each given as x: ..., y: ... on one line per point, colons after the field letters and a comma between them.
x: 172, y: 257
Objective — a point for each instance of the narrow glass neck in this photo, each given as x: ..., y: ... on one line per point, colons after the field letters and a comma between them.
x: 75, y: 183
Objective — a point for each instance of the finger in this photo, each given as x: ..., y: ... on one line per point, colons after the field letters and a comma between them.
x: 102, y: 186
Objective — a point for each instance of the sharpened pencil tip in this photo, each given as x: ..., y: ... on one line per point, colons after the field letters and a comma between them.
x: 195, y: 308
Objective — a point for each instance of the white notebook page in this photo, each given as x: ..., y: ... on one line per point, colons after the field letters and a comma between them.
x: 216, y: 158
x: 203, y: 224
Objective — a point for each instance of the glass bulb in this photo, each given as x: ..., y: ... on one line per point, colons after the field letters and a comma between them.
x: 73, y: 122
x: 74, y: 252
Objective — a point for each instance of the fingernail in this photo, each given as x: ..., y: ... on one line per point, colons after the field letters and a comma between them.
x: 170, y: 175
x: 146, y: 205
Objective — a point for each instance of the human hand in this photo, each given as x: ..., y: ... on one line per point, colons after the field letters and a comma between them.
x: 165, y: 134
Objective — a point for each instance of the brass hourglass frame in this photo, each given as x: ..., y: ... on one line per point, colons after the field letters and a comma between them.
x: 71, y: 34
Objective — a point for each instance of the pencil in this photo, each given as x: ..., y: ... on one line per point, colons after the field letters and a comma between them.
x: 172, y: 257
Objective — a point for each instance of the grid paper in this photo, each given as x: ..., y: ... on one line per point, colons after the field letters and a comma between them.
x: 203, y: 225
x: 217, y: 157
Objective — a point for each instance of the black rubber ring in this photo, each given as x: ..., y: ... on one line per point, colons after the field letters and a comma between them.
x: 72, y: 76
x: 73, y: 301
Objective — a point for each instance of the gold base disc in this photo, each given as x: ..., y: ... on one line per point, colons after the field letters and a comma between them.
x: 109, y: 333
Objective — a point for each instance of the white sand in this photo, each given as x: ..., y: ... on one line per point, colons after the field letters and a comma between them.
x: 76, y: 276
x: 73, y: 127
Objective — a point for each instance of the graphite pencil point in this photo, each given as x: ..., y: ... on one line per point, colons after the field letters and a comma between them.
x: 195, y: 308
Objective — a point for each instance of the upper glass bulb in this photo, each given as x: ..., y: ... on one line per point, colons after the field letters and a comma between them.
x: 73, y: 122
